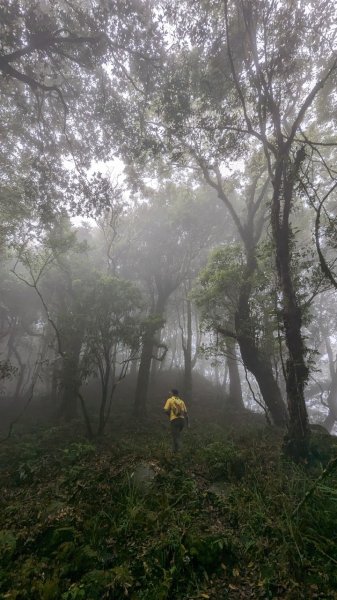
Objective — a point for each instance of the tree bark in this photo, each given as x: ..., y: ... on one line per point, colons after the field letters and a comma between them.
x: 105, y: 380
x: 235, y: 400
x: 254, y: 357
x: 21, y: 376
x: 143, y: 379
x: 155, y: 363
x: 297, y: 371
x: 70, y: 380
x: 260, y: 366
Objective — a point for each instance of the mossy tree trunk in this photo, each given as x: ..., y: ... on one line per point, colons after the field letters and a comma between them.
x: 286, y: 173
x: 255, y: 358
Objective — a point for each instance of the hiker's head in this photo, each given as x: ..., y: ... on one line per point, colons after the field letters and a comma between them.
x: 174, y: 392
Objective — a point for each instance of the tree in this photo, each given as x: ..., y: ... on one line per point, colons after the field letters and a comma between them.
x: 241, y: 76
x: 163, y: 261
x: 112, y: 336
x: 323, y: 388
x: 56, y: 87
x: 219, y: 296
x: 169, y: 232
x: 48, y: 269
x: 186, y: 328
x: 94, y: 317
x: 274, y: 118
x: 234, y: 401
x: 20, y: 331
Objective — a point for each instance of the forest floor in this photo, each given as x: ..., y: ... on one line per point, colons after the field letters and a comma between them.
x: 125, y: 518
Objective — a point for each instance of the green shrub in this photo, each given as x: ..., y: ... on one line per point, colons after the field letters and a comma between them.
x: 209, y: 551
x: 7, y: 546
x: 223, y: 461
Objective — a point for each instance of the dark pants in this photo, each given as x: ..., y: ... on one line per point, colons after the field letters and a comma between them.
x: 177, y: 425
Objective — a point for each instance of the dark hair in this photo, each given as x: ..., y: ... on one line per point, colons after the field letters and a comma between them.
x: 174, y: 392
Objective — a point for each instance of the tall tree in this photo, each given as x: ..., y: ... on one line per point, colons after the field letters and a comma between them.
x: 242, y: 75
x: 271, y: 88
x: 168, y: 233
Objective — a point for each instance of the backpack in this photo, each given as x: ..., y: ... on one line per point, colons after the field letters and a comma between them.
x: 177, y: 408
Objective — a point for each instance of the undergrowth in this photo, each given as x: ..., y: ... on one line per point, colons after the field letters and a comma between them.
x: 127, y: 519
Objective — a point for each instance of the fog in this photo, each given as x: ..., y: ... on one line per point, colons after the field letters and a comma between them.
x: 167, y: 214
x: 154, y: 280
x: 168, y: 281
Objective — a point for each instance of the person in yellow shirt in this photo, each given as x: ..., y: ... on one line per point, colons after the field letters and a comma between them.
x: 176, y: 409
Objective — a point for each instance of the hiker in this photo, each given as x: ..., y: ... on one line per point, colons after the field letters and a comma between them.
x: 176, y: 409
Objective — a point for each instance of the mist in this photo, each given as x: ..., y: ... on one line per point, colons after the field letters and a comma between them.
x: 168, y: 290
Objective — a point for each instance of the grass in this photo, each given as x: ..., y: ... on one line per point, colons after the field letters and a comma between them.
x: 215, y: 522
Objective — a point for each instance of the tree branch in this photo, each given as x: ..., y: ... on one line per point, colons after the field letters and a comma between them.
x: 308, y: 101
x: 324, y: 266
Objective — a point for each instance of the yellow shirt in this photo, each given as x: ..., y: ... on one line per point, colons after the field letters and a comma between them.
x: 176, y: 406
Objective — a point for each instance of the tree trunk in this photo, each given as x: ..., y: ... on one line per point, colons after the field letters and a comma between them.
x: 22, y: 371
x: 260, y: 366
x: 155, y: 363
x: 235, y: 400
x: 226, y: 375
x: 188, y: 379
x: 155, y: 323
x: 297, y: 371
x: 108, y: 378
x: 143, y: 376
x: 253, y: 356
x: 133, y: 369
x: 70, y: 385
x: 70, y: 380
x: 104, y: 399
x: 187, y: 350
